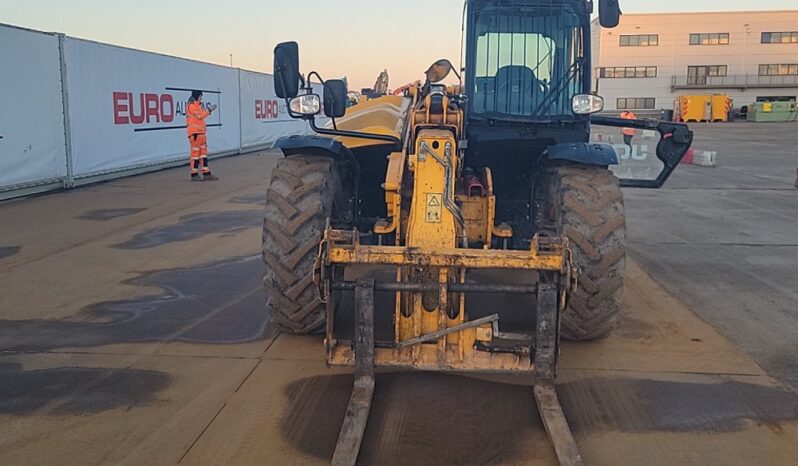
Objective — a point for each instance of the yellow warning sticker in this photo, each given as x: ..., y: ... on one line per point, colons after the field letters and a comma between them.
x: 434, y: 203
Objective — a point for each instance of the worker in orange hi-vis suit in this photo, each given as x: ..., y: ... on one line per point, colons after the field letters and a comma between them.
x: 628, y: 133
x: 197, y: 138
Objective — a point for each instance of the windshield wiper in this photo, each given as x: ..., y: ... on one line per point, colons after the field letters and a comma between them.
x: 555, y: 93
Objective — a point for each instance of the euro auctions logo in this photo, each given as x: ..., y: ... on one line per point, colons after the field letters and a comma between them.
x: 149, y: 111
x: 269, y: 109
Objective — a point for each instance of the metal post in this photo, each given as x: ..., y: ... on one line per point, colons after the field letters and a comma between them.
x: 357, y: 413
x: 240, y: 110
x: 69, y: 181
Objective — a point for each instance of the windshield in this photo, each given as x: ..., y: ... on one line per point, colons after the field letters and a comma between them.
x: 526, y: 62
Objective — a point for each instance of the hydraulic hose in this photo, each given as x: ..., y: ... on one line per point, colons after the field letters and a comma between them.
x: 448, y: 200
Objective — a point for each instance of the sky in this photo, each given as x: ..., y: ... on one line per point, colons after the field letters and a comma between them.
x: 353, y: 38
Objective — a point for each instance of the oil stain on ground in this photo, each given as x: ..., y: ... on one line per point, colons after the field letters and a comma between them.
x: 417, y: 418
x: 194, y: 226
x: 110, y: 214
x: 8, y: 251
x: 643, y: 405
x: 257, y: 199
x: 219, y: 303
x: 76, y: 390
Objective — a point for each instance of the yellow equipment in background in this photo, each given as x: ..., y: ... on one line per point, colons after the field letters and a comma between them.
x: 721, y: 106
x: 704, y: 108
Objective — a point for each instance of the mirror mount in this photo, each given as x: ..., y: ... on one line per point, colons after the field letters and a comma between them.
x: 439, y: 70
x: 288, y: 81
x: 287, y: 78
x: 335, y: 96
x: 609, y: 13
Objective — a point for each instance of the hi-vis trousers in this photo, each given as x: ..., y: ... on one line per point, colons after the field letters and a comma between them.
x: 199, y: 154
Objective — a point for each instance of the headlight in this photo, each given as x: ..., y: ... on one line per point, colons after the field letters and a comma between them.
x: 305, y: 105
x: 586, y: 104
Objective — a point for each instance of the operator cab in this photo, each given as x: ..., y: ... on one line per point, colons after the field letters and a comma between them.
x: 528, y: 60
x: 525, y: 62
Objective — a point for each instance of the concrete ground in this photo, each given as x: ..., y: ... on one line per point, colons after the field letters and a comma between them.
x: 725, y: 239
x: 132, y: 332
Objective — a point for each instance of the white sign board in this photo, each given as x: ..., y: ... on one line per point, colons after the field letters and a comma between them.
x: 32, y: 146
x: 127, y: 108
x: 264, y: 116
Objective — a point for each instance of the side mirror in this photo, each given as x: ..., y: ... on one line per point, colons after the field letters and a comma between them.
x: 286, y: 70
x: 609, y: 13
x: 335, y: 96
x: 439, y: 70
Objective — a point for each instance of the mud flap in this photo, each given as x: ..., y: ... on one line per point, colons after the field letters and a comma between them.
x: 648, y: 157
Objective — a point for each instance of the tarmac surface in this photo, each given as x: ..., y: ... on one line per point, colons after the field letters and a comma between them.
x: 132, y: 332
x: 725, y: 239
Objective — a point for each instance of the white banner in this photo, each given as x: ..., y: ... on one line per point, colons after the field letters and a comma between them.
x: 127, y: 107
x: 32, y: 146
x: 264, y: 117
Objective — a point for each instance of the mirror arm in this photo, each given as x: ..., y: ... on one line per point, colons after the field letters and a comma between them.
x: 356, y: 134
x: 321, y: 81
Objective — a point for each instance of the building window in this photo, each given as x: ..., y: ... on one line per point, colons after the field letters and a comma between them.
x: 778, y: 70
x: 641, y: 40
x: 780, y: 37
x: 636, y: 103
x: 628, y: 72
x: 710, y: 38
x: 699, y: 74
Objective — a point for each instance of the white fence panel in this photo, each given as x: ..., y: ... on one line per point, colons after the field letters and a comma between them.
x: 32, y: 136
x: 264, y: 116
x: 127, y: 107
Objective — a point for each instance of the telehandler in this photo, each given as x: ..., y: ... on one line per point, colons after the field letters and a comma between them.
x: 446, y: 185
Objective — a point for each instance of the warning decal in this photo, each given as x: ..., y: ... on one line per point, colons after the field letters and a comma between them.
x: 434, y: 202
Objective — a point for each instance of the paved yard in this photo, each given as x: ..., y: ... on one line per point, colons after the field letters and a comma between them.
x: 132, y: 332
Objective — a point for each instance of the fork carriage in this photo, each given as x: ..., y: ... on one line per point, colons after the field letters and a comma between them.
x: 443, y: 338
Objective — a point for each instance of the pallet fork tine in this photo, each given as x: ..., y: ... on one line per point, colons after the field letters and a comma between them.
x: 556, y: 425
x: 357, y: 413
x: 546, y: 348
x: 546, y: 352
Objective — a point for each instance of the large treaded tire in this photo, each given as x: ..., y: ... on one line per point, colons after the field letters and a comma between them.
x: 299, y: 200
x: 589, y: 210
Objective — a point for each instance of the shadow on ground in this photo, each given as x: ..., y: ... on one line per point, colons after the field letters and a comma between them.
x: 8, y: 251
x: 416, y: 418
x: 219, y: 303
x: 448, y: 419
x: 110, y: 214
x: 642, y: 405
x: 194, y: 226
x: 76, y: 390
x: 257, y: 199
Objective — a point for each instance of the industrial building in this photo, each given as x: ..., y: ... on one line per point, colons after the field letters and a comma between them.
x: 651, y: 59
